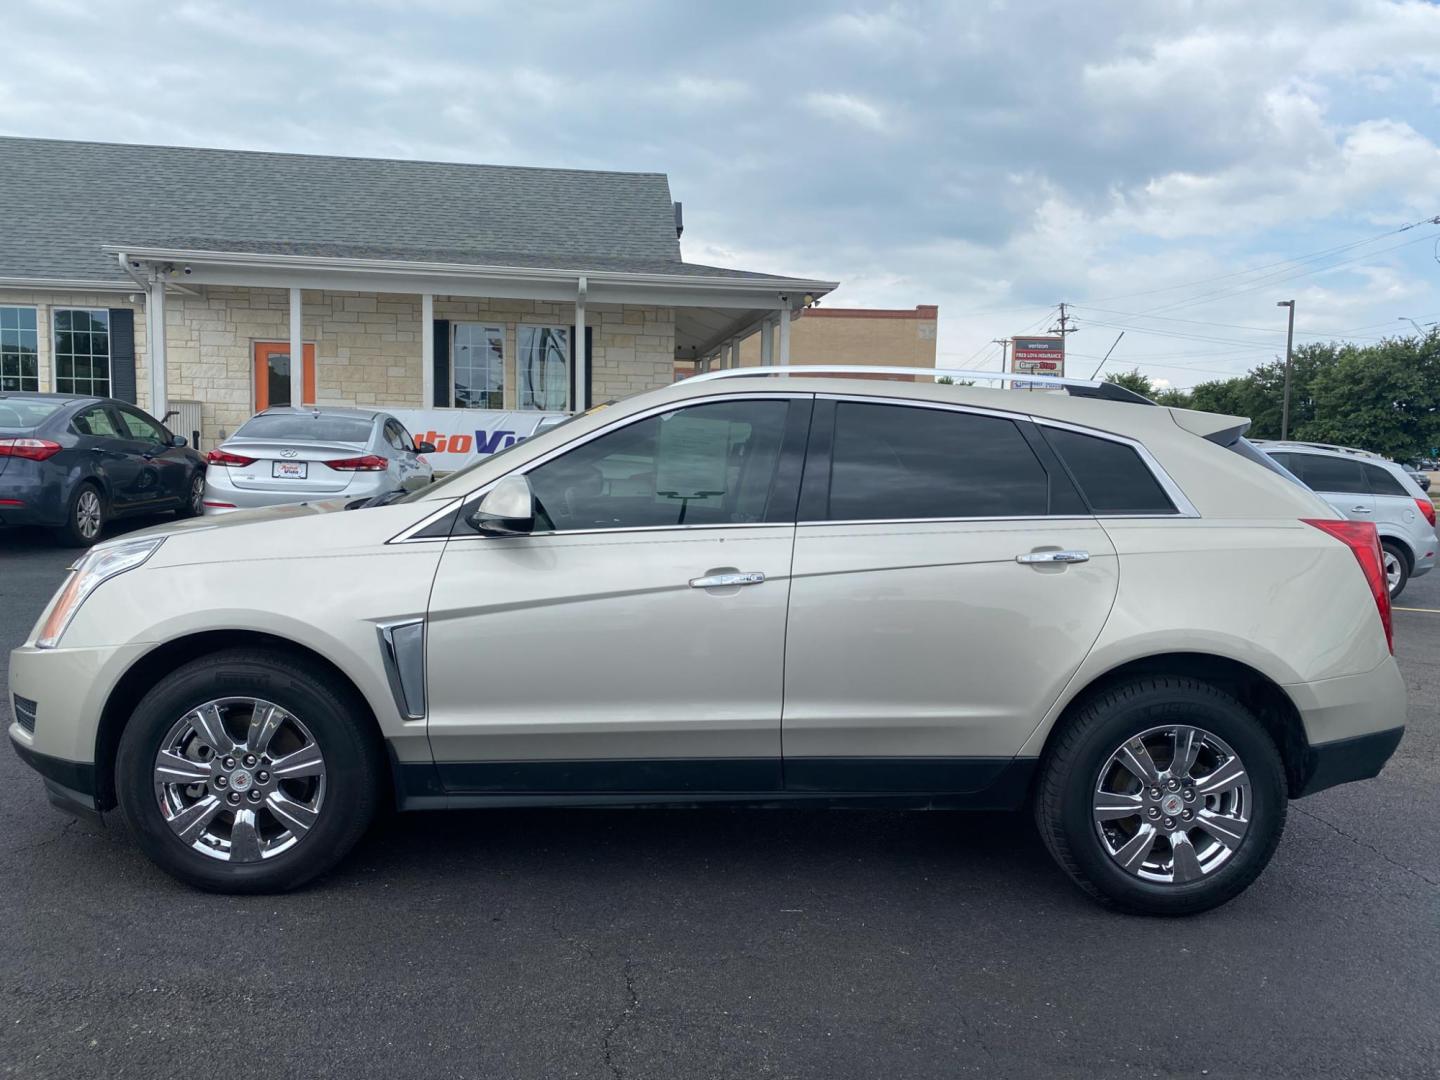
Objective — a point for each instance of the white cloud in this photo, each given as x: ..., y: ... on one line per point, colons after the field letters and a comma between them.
x: 846, y: 109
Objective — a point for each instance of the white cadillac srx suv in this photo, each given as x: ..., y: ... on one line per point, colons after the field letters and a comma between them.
x: 801, y: 590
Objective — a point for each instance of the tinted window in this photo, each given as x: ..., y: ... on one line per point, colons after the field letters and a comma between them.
x: 306, y: 427
x: 96, y: 421
x: 1332, y: 474
x: 1382, y: 481
x: 1113, y: 478
x: 894, y: 461
x: 705, y: 465
x: 397, y: 436
x: 139, y: 427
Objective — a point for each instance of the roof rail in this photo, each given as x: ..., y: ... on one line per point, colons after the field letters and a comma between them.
x: 1086, y: 388
x: 1320, y: 446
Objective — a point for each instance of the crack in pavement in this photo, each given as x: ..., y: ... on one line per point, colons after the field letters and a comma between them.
x: 1361, y: 843
x: 615, y: 1025
x: 37, y: 845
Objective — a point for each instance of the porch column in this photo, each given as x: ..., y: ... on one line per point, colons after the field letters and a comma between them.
x: 427, y: 349
x: 297, y: 352
x: 155, y: 345
x: 581, y: 402
x: 784, y: 349
x: 767, y: 343
x: 734, y: 353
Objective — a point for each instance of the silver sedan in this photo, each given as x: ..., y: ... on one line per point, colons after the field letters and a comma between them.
x: 290, y: 455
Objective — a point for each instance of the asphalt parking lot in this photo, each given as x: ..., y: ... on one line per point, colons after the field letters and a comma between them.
x: 724, y: 943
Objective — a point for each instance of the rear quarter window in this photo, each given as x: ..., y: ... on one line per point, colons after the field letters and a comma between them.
x: 1383, y: 482
x: 1112, y: 476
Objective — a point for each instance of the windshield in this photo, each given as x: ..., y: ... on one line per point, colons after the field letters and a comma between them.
x: 19, y: 413
x: 458, y: 477
x: 306, y: 427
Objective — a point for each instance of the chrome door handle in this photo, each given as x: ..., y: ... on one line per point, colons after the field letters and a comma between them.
x: 721, y: 581
x: 1053, y: 557
x: 1361, y: 510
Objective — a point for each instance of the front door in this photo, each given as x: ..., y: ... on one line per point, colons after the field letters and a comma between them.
x: 272, y: 374
x: 928, y: 630
x: 608, y: 651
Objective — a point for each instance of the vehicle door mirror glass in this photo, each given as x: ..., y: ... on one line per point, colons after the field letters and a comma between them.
x: 178, y: 440
x: 424, y: 448
x: 507, y: 509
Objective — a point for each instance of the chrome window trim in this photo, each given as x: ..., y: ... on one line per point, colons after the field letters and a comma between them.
x: 406, y: 535
x: 1184, y: 508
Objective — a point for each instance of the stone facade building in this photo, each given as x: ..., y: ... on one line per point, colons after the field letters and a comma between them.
x: 401, y: 283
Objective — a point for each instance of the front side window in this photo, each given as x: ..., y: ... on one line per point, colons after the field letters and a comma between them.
x: 19, y: 349
x: 82, y: 351
x: 542, y: 368
x: 478, y: 364
x: 141, y: 427
x: 1111, y: 475
x: 899, y: 462
x: 703, y: 465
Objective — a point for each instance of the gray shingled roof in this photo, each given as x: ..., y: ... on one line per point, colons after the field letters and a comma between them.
x: 63, y: 200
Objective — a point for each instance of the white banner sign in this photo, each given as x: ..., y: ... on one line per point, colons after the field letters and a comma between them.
x: 462, y: 435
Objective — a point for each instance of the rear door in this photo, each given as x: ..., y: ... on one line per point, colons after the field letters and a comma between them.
x: 947, y: 582
x: 111, y: 454
x: 1338, y: 480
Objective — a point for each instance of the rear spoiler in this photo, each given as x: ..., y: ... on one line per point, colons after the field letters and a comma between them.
x: 1213, y: 427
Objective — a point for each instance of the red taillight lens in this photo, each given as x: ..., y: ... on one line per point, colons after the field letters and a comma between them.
x: 1428, y: 509
x: 368, y: 463
x: 33, y: 449
x: 224, y: 457
x: 1361, y: 538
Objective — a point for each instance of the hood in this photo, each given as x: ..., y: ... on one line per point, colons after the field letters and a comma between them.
x: 240, y: 518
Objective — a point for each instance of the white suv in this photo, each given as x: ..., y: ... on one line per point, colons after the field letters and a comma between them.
x: 1367, y: 487
x: 801, y: 591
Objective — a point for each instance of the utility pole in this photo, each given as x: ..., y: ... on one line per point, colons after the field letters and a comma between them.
x: 1063, y: 329
x: 1004, y: 344
x: 1289, y: 353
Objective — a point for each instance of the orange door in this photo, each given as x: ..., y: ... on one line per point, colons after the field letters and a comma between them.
x: 272, y: 374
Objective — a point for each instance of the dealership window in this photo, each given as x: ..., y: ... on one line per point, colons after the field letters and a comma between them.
x: 704, y: 465
x: 19, y: 348
x: 542, y: 368
x: 898, y: 462
x: 478, y: 366
x: 82, y: 351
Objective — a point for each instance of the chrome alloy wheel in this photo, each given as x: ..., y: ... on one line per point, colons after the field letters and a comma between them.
x: 239, y: 779
x: 87, y: 513
x: 1392, y: 568
x: 197, y: 495
x: 1172, y: 804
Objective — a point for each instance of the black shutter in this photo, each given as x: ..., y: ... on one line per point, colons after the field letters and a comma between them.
x: 443, y: 389
x: 122, y: 354
x: 582, y: 404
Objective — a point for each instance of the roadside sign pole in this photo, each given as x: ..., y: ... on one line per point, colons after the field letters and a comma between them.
x: 1289, y: 352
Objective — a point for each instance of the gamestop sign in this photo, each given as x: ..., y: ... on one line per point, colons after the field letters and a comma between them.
x: 1036, y: 356
x: 462, y: 435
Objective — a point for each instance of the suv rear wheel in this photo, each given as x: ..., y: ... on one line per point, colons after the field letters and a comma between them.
x: 245, y: 772
x: 1163, y: 796
x: 1397, y: 567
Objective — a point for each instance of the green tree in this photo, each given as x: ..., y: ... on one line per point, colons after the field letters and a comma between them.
x: 1134, y: 380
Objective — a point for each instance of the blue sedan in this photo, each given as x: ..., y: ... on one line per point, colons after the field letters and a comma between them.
x: 73, y: 463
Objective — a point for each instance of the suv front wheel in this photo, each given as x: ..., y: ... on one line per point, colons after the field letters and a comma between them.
x: 246, y: 772
x: 1162, y: 796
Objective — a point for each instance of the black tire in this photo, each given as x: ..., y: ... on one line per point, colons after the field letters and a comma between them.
x: 1403, y: 558
x: 86, y: 516
x: 341, y: 728
x: 1071, y: 769
x: 194, y: 504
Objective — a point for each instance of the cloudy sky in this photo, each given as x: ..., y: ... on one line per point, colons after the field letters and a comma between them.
x: 1171, y: 169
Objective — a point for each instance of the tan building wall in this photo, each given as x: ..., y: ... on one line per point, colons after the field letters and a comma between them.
x: 367, y: 345
x: 825, y: 335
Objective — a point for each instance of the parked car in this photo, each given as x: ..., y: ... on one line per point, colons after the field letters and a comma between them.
x: 1367, y: 487
x: 74, y: 463
x: 293, y: 455
x: 1422, y: 479
x: 1119, y: 615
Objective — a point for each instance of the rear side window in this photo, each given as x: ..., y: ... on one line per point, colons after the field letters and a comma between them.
x: 1112, y: 476
x: 1382, y: 481
x: 890, y: 461
x: 1322, y: 473
x: 96, y: 421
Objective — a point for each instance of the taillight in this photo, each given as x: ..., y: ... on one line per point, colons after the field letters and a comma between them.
x: 368, y: 463
x: 1361, y: 538
x: 33, y: 449
x: 1428, y: 509
x: 224, y: 457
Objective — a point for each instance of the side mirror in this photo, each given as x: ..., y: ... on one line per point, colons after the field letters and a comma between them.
x: 507, y: 509
x: 178, y: 440
x: 425, y: 448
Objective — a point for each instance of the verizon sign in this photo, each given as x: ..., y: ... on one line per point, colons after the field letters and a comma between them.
x: 1036, y: 356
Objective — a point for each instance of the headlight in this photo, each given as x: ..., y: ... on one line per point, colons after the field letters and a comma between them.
x: 88, y: 573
